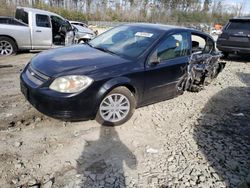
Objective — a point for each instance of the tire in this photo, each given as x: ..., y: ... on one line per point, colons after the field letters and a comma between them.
x: 7, y: 46
x: 108, y: 113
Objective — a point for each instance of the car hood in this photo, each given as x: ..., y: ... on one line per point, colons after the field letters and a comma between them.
x: 78, y: 59
x: 85, y: 30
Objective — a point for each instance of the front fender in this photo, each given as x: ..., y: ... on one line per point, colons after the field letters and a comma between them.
x: 111, y: 84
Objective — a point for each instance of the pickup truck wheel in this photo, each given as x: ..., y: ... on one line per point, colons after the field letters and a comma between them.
x: 117, y: 107
x: 7, y: 46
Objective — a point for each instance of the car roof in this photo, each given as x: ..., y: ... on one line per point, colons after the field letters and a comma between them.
x: 168, y: 28
x: 39, y: 11
x: 244, y: 18
x: 161, y: 27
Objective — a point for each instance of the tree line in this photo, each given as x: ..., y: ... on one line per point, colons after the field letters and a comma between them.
x: 156, y: 11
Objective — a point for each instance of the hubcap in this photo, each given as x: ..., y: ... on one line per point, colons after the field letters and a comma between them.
x: 5, y: 48
x: 114, y: 107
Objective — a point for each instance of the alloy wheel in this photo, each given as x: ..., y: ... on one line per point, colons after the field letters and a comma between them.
x: 5, y: 48
x: 114, y: 107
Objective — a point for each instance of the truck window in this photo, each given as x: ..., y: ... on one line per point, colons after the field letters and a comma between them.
x: 22, y: 15
x: 58, y: 22
x: 42, y: 20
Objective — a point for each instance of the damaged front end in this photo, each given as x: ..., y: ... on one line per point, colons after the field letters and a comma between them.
x: 201, y: 70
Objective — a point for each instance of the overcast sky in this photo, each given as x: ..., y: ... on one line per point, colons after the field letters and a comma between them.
x: 245, y: 2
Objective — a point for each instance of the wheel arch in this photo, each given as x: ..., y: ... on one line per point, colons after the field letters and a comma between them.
x: 113, y: 83
x: 12, y: 38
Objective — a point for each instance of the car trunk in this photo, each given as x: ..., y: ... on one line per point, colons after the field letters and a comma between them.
x: 237, y: 34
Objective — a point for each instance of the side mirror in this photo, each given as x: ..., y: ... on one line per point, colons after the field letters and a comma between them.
x: 154, y: 60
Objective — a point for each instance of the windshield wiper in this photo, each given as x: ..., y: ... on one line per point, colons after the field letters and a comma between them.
x: 88, y: 44
x: 105, y: 50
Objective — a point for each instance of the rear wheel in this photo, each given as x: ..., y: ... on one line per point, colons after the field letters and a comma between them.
x: 7, y: 46
x: 117, y: 107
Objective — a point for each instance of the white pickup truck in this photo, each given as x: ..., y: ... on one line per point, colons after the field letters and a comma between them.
x: 34, y: 29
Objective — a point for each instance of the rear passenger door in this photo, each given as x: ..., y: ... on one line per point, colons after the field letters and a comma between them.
x: 161, y: 79
x: 42, y: 32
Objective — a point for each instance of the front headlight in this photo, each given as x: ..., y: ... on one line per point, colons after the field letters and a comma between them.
x: 71, y: 84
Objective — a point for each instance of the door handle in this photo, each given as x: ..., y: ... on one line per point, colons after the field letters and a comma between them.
x: 38, y: 31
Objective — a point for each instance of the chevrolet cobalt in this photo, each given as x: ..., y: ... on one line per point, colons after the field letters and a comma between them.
x: 127, y: 67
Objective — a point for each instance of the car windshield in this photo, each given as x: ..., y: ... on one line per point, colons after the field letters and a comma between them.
x: 126, y: 41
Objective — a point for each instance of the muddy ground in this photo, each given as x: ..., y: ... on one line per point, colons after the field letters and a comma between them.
x: 195, y: 140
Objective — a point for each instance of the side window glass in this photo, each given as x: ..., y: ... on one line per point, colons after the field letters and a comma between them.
x: 174, y: 46
x: 60, y: 23
x: 42, y: 21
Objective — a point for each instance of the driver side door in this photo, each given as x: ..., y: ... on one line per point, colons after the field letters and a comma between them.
x: 62, y: 31
x: 161, y: 77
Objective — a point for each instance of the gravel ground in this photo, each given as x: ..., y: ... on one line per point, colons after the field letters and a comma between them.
x: 195, y: 140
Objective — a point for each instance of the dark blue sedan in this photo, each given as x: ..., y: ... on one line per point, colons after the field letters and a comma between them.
x: 122, y: 69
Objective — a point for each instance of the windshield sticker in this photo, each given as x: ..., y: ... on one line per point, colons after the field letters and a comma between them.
x: 144, y: 34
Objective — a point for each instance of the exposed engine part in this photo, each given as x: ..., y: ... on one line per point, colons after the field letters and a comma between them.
x: 201, y: 70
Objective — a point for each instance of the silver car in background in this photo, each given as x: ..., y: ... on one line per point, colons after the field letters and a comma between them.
x: 83, y: 34
x: 34, y: 29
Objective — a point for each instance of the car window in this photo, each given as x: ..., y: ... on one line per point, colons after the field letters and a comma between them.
x: 58, y: 22
x: 173, y: 46
x: 237, y: 25
x: 42, y: 20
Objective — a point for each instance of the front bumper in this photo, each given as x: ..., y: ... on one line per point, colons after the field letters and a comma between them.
x: 66, y: 107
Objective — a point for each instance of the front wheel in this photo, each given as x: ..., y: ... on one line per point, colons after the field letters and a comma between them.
x: 117, y: 107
